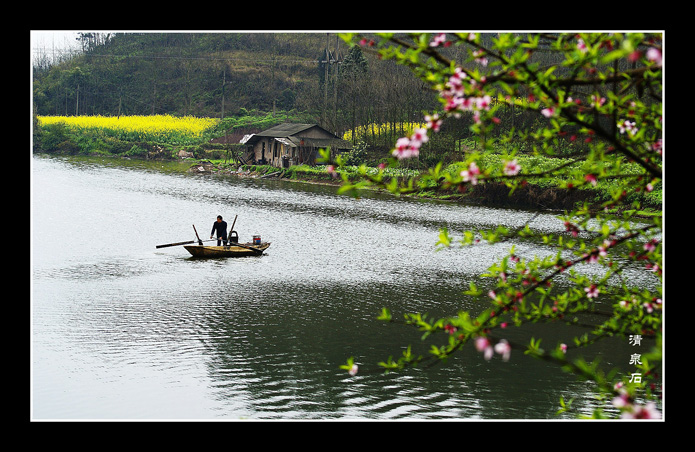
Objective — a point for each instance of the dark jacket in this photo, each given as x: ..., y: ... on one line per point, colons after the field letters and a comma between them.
x: 221, y: 229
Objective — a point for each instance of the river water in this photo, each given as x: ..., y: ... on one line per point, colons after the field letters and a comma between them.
x: 123, y: 330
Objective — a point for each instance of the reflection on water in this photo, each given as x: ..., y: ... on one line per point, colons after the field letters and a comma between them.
x: 123, y: 330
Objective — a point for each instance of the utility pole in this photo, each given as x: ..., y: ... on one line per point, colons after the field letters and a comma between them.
x: 224, y: 79
x: 325, y: 82
x: 335, y: 84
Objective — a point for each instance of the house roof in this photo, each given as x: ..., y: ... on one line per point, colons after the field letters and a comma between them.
x: 285, y: 130
x: 285, y: 133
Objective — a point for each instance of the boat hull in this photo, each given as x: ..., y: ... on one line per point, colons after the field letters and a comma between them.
x: 226, y: 251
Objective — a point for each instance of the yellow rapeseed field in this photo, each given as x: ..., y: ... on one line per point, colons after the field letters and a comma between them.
x: 156, y: 127
x: 405, y: 128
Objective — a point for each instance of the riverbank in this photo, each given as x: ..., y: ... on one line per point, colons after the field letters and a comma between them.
x: 490, y: 194
x: 186, y: 139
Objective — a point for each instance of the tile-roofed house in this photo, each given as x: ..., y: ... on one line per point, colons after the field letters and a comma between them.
x: 292, y: 144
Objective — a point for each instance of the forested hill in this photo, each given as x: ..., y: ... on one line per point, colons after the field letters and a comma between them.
x: 198, y: 74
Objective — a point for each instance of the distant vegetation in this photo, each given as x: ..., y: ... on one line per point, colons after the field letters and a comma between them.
x: 243, y: 77
x: 154, y: 95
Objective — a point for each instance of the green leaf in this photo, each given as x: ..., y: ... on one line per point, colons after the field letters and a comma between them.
x: 444, y: 239
x: 385, y: 315
x: 350, y: 363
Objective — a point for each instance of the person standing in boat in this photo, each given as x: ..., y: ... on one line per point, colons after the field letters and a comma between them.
x: 221, y: 227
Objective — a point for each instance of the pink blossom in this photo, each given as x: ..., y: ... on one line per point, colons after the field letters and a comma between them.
x: 650, y: 306
x: 364, y: 42
x: 597, y: 101
x: 548, y: 112
x: 454, y: 104
x: 437, y: 40
x: 563, y: 348
x: 591, y: 291
x: 511, y: 168
x: 648, y: 411
x: 410, y: 147
x: 601, y: 251
x: 627, y: 304
x: 654, y: 55
x: 657, y: 147
x: 581, y: 45
x: 650, y: 246
x: 627, y: 126
x: 482, y: 344
x: 433, y: 122
x: 504, y: 349
x: 572, y: 228
x: 455, y: 83
x: 456, y: 101
x: 591, y: 178
x: 419, y: 136
x: 480, y: 57
x: 404, y: 149
x: 654, y: 268
x: 622, y: 401
x: 353, y: 370
x: 471, y: 174
x: 483, y: 103
x: 402, y: 143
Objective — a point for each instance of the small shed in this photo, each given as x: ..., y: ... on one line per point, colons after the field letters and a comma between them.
x: 292, y: 144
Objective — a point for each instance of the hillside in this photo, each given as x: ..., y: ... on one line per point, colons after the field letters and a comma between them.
x: 252, y: 75
x: 235, y: 75
x: 197, y: 74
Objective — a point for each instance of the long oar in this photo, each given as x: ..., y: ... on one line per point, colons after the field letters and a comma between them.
x: 184, y: 243
x: 175, y: 244
x: 255, y: 250
x: 200, y: 242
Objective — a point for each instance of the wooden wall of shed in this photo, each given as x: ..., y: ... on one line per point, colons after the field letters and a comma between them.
x: 272, y: 156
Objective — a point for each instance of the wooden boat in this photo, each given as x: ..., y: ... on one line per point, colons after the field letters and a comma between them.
x: 233, y: 250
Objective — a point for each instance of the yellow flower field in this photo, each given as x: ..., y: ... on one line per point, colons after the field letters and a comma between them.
x: 162, y: 128
x: 406, y: 128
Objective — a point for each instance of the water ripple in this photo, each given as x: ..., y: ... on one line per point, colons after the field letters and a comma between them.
x: 121, y: 329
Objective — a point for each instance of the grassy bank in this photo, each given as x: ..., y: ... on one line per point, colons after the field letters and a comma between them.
x: 546, y: 193
x: 168, y: 137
